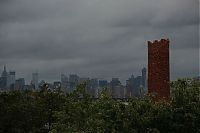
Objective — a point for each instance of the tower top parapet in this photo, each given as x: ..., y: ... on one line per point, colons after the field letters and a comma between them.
x: 162, y: 41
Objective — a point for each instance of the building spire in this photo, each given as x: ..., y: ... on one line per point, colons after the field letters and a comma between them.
x: 4, y: 68
x: 4, y: 73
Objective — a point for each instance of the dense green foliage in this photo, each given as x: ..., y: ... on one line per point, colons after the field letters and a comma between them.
x: 51, y: 111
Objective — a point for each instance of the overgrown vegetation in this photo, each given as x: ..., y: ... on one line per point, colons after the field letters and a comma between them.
x: 52, y: 111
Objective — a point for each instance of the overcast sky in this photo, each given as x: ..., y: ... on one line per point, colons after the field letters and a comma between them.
x: 96, y: 38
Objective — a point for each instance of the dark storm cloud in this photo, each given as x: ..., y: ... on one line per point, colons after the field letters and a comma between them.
x: 97, y: 38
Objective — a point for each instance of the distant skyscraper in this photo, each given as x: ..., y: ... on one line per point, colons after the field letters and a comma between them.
x: 4, y: 75
x: 87, y: 81
x: 116, y: 88
x: 11, y: 80
x: 64, y: 78
x: 103, y: 83
x: 137, y: 86
x: 144, y: 79
x: 19, y: 84
x: 129, y: 87
x: 64, y: 83
x: 73, y: 82
x: 94, y: 87
x: 35, y: 80
x: 134, y: 85
x: 115, y: 82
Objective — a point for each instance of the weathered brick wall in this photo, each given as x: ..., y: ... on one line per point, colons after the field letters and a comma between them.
x: 158, y: 68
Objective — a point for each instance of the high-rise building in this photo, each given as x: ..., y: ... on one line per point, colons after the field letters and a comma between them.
x: 133, y: 86
x: 64, y: 83
x: 4, y: 73
x: 64, y: 78
x: 144, y: 77
x: 73, y: 82
x: 129, y: 87
x: 11, y: 80
x: 116, y: 88
x: 35, y: 80
x: 103, y: 83
x: 93, y: 85
x: 137, y: 86
x: 115, y: 82
x: 19, y: 84
x: 3, y: 80
x: 84, y: 80
x: 158, y: 69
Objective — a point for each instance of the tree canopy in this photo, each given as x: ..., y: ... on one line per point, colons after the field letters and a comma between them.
x: 52, y: 111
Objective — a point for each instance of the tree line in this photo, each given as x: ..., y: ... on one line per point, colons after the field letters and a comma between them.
x: 52, y: 111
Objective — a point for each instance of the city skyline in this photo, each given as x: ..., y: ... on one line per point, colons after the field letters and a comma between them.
x: 135, y: 86
x: 39, y: 78
x: 96, y: 38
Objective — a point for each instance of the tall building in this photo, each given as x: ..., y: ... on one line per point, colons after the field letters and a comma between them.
x: 137, y: 86
x: 94, y: 87
x: 117, y: 90
x: 11, y: 80
x: 73, y: 82
x: 129, y: 87
x: 3, y: 81
x: 144, y: 77
x: 19, y: 84
x: 64, y: 78
x: 35, y: 81
x: 158, y: 69
x: 64, y: 83
x: 103, y: 84
x: 134, y: 86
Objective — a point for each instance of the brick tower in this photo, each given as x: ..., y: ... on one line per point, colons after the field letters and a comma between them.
x: 158, y: 69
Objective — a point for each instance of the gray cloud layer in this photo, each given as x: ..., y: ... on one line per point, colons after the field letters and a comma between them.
x: 96, y: 38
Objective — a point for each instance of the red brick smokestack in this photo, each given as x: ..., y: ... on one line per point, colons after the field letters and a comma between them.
x: 158, y: 69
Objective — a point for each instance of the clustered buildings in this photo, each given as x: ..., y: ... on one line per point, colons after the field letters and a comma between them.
x: 9, y: 82
x: 135, y: 86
